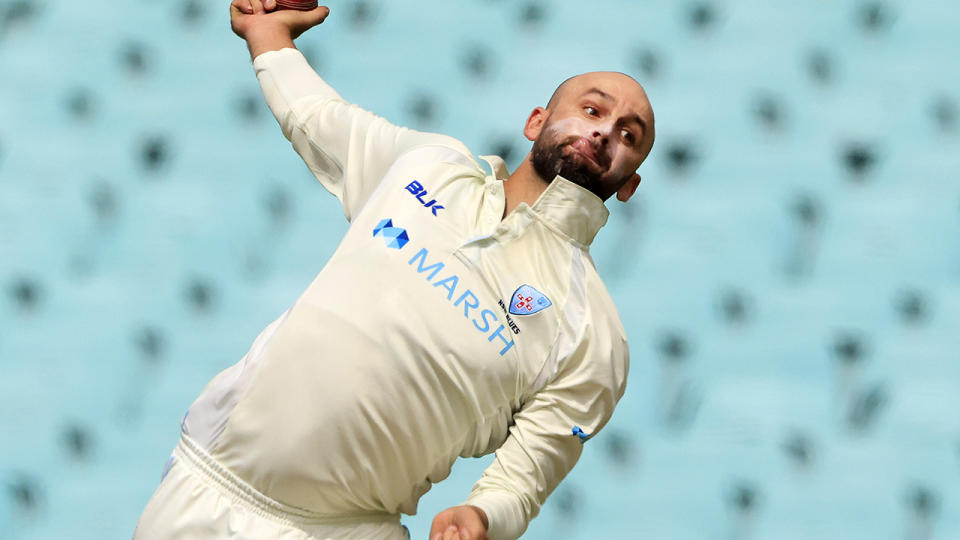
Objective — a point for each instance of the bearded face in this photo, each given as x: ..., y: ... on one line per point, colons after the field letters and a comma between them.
x: 574, y: 157
x: 595, y: 131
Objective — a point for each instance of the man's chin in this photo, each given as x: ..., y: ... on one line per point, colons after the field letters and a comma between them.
x: 580, y: 177
x: 581, y: 169
x: 565, y: 161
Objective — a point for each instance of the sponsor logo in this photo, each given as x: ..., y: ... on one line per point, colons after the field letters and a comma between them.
x: 395, y: 237
x: 420, y: 192
x: 527, y: 301
x: 484, y: 320
x: 579, y: 433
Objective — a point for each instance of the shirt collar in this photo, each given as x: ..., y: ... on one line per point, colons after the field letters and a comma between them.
x: 497, y: 166
x: 569, y: 207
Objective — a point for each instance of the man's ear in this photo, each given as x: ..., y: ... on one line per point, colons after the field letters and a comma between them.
x: 628, y: 188
x: 534, y: 123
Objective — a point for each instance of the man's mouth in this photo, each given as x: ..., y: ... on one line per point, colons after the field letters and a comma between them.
x: 583, y: 146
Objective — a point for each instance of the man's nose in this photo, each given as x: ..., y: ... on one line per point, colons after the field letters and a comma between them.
x: 600, y: 136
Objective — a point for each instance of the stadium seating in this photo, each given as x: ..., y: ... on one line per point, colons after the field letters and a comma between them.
x: 788, y: 274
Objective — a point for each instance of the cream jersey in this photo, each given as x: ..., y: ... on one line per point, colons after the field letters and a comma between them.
x: 437, y: 329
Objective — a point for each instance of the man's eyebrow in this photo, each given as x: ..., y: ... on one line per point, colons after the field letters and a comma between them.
x: 602, y: 94
x: 636, y: 118
x: 639, y: 120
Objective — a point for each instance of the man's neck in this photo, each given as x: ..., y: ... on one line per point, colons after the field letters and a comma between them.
x: 524, y: 185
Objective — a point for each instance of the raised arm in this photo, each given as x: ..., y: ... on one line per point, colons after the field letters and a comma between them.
x: 348, y: 149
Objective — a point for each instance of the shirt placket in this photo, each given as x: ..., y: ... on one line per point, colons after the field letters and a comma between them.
x: 492, y: 211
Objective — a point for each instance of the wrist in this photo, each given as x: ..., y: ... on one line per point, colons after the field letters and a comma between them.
x: 268, y: 37
x: 482, y: 514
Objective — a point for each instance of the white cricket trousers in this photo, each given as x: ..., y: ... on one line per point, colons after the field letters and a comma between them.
x: 199, y: 499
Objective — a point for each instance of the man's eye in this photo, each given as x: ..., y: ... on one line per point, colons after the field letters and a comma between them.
x: 591, y: 110
x: 627, y: 135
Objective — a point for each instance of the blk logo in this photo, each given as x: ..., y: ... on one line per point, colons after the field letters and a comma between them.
x: 420, y: 193
x: 395, y: 237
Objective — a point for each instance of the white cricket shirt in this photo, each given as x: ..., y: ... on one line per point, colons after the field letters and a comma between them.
x: 436, y: 330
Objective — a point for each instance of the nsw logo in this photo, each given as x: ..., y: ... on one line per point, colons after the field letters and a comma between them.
x: 527, y: 300
x: 395, y: 237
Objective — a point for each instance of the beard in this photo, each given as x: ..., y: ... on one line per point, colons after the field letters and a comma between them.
x: 549, y: 160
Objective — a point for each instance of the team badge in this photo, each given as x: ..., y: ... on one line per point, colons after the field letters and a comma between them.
x: 528, y: 300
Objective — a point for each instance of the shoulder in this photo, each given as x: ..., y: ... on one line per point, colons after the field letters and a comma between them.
x: 602, y: 323
x: 598, y: 305
x: 599, y: 298
x: 440, y: 147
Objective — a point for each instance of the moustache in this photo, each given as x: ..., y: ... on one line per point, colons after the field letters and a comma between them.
x: 599, y: 156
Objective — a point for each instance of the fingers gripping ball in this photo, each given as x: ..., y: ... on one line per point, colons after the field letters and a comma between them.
x: 299, y: 5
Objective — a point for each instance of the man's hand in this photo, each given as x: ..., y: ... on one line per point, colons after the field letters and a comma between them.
x: 267, y: 30
x: 465, y: 522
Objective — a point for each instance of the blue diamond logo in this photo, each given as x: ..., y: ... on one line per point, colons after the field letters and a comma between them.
x: 395, y: 237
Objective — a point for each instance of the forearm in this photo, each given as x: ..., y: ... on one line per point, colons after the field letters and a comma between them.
x: 267, y: 38
x: 286, y: 80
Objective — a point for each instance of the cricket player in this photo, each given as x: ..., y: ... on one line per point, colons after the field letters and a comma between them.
x: 460, y: 315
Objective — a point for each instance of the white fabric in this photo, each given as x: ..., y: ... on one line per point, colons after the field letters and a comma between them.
x: 198, y: 499
x: 401, y: 354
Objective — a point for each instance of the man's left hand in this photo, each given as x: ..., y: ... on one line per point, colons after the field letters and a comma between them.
x: 465, y: 522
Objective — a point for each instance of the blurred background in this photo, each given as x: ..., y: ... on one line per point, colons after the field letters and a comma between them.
x: 788, y: 273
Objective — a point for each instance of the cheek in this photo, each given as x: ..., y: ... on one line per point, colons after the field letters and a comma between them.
x: 621, y: 167
x: 568, y: 126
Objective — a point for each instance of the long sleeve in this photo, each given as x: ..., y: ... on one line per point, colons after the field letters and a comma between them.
x: 347, y: 148
x: 543, y: 445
